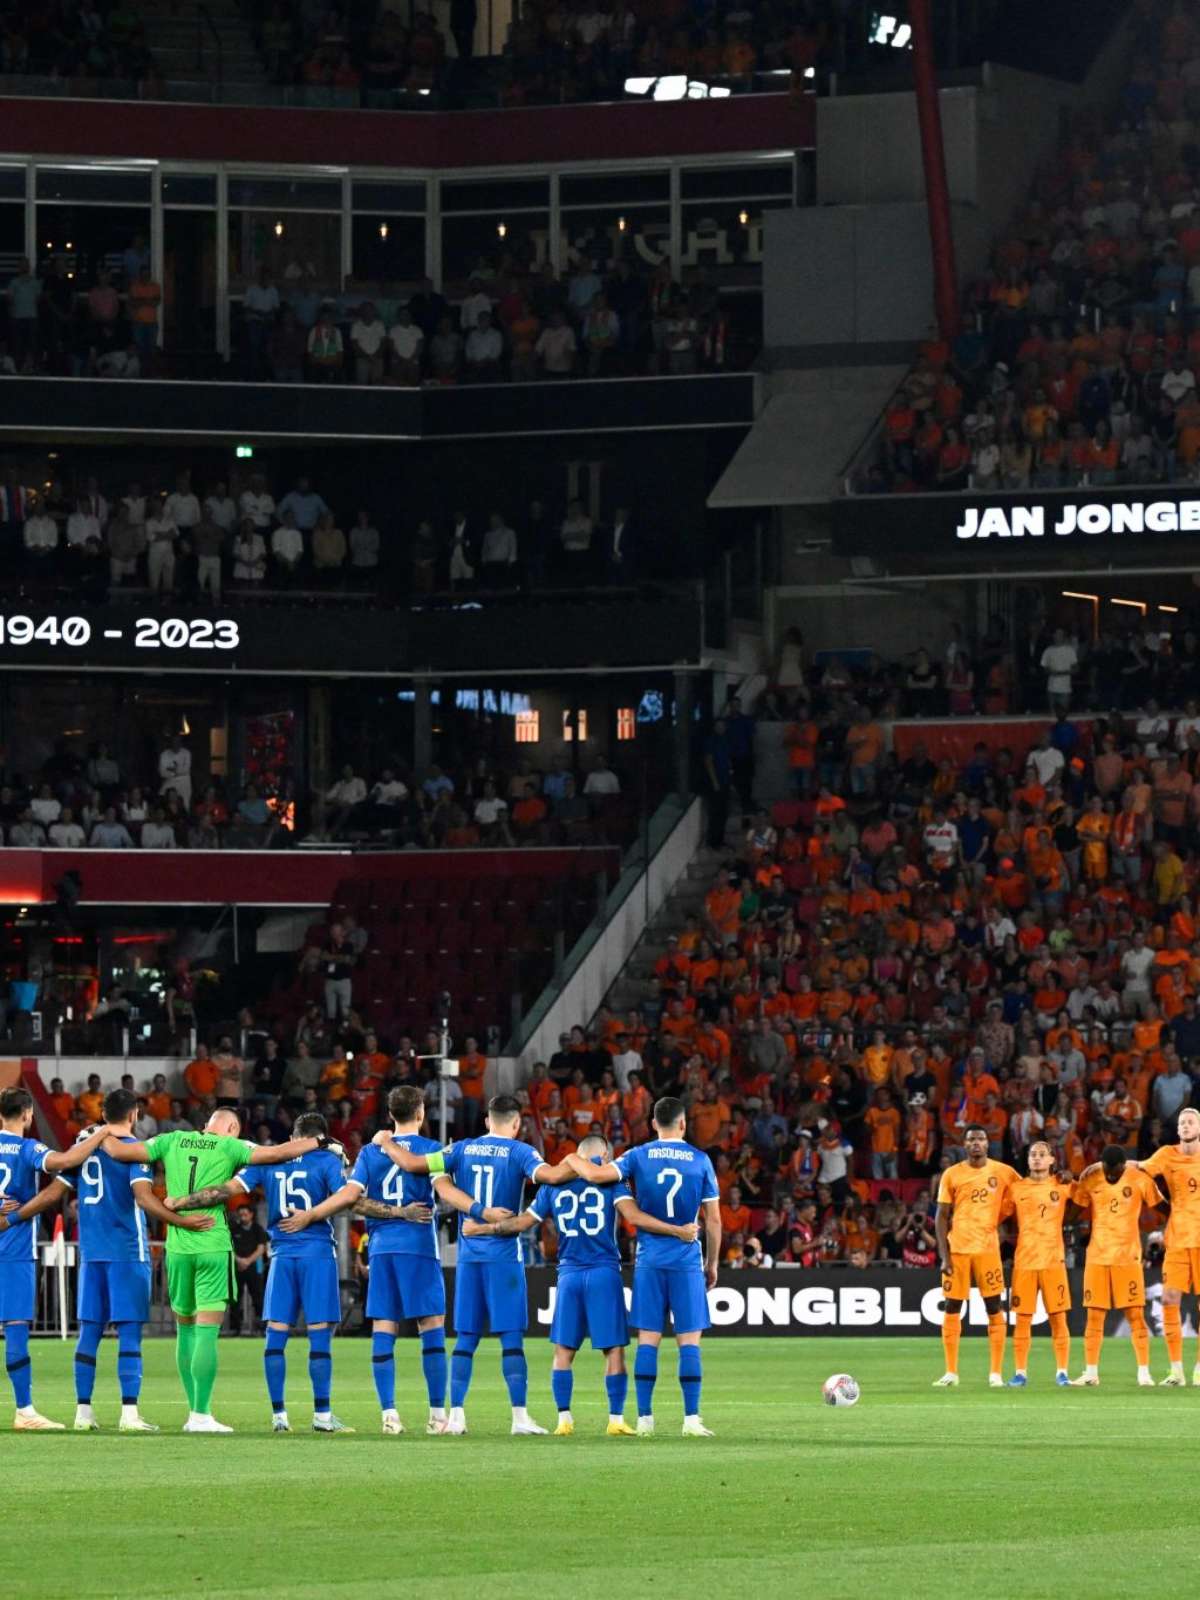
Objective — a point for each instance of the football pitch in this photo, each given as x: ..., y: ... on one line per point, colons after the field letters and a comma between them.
x: 912, y: 1492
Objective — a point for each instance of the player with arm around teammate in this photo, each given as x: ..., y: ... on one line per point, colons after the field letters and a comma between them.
x: 114, y: 1264
x: 590, y: 1297
x: 1177, y: 1168
x: 673, y: 1182
x: 22, y: 1160
x: 405, y: 1279
x: 493, y: 1168
x: 1113, y: 1277
x: 200, y: 1265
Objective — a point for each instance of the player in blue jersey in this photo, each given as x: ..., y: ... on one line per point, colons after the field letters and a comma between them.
x: 489, y: 1277
x: 114, y: 1264
x: 404, y: 1278
x: 590, y: 1298
x: 674, y: 1182
x: 303, y: 1273
x: 22, y: 1160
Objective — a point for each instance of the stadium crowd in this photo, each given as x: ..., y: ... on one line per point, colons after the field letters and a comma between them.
x: 1078, y: 355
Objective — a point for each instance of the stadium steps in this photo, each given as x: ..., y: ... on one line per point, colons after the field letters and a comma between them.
x: 184, y: 48
x: 635, y: 984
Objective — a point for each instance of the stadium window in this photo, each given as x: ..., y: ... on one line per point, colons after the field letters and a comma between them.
x: 526, y: 726
x: 626, y: 722
x: 574, y: 725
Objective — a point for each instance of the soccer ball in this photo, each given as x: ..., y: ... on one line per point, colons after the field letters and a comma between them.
x: 840, y: 1390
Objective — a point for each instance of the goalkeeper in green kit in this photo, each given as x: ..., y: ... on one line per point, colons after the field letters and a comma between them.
x: 200, y: 1274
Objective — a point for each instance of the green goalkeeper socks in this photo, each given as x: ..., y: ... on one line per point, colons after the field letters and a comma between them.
x: 185, y: 1338
x: 204, y: 1367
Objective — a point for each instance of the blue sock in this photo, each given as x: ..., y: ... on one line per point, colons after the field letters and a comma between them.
x: 16, y: 1359
x: 689, y: 1378
x: 617, y: 1384
x: 383, y: 1369
x: 275, y: 1366
x: 461, y: 1367
x: 90, y: 1335
x: 433, y: 1365
x: 320, y: 1366
x: 562, y: 1382
x: 515, y: 1370
x: 645, y: 1376
x: 129, y: 1361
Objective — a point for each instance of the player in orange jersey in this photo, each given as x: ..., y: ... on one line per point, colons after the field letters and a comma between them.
x: 1040, y: 1203
x: 971, y: 1197
x: 1112, y: 1274
x: 1177, y: 1166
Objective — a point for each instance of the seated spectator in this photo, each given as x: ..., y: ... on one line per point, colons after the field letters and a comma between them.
x: 326, y: 354
x: 483, y: 349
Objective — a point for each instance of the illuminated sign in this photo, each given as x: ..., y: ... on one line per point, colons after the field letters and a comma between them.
x: 1035, y: 522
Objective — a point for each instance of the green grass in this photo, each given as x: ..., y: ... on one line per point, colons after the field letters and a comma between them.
x: 913, y: 1492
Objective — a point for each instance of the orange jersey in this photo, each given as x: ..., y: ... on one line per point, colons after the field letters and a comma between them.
x: 1040, y: 1206
x: 1116, y: 1209
x: 977, y: 1196
x: 1182, y: 1176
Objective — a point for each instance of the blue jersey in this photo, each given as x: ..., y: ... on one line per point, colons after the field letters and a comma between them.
x: 21, y: 1161
x: 299, y: 1185
x: 494, y: 1172
x: 672, y: 1180
x: 112, y: 1226
x: 585, y: 1217
x: 380, y: 1178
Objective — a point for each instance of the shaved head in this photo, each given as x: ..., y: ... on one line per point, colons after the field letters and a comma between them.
x: 225, y: 1122
x: 594, y: 1145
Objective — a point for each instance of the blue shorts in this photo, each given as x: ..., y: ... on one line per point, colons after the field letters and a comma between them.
x: 18, y: 1290
x: 302, y: 1282
x: 400, y: 1287
x: 679, y: 1290
x: 489, y: 1297
x: 590, y: 1303
x: 114, y: 1291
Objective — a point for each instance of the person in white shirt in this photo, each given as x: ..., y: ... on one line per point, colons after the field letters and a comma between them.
x: 364, y: 544
x: 82, y: 525
x: 367, y: 336
x: 249, y: 555
x: 40, y: 538
x: 161, y: 537
x: 182, y: 506
x: 576, y: 533
x: 340, y: 799
x: 287, y: 548
x: 625, y: 1061
x: 45, y: 806
x: 1188, y: 724
x: 256, y: 504
x: 175, y: 770
x: 940, y: 841
x: 1135, y: 967
x: 1152, y: 730
x: 220, y: 509
x: 96, y: 503
x: 389, y: 791
x: 1047, y: 761
x: 406, y: 341
x: 602, y: 780
x: 491, y: 813
x: 498, y: 552
x: 157, y: 833
x: 556, y: 346
x: 1178, y: 382
x: 66, y: 834
x: 134, y: 506
x: 477, y: 302
x: 1059, y: 661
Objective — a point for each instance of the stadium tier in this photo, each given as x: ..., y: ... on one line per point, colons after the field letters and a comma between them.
x: 599, y: 793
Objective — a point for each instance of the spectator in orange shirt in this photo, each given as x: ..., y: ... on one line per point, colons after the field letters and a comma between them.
x: 707, y: 1117
x: 722, y: 905
x: 201, y: 1076
x: 864, y: 746
x: 994, y: 1120
x: 540, y: 1088
x: 735, y: 1214
x: 883, y: 1124
x: 63, y: 1106
x: 158, y: 1100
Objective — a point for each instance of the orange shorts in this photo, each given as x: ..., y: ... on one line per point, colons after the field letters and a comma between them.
x: 1026, y: 1282
x: 1181, y: 1270
x: 1106, y: 1288
x: 985, y: 1269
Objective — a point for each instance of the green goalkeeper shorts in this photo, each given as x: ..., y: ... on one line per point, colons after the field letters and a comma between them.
x: 199, y: 1283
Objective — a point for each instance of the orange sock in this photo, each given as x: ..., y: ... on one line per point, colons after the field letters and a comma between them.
x: 1094, y: 1336
x: 1022, y: 1339
x: 997, y: 1331
x: 1140, y: 1334
x: 1173, y: 1331
x: 1060, y: 1337
x: 951, y: 1333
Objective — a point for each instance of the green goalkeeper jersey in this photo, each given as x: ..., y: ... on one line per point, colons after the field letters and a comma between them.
x: 194, y: 1161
